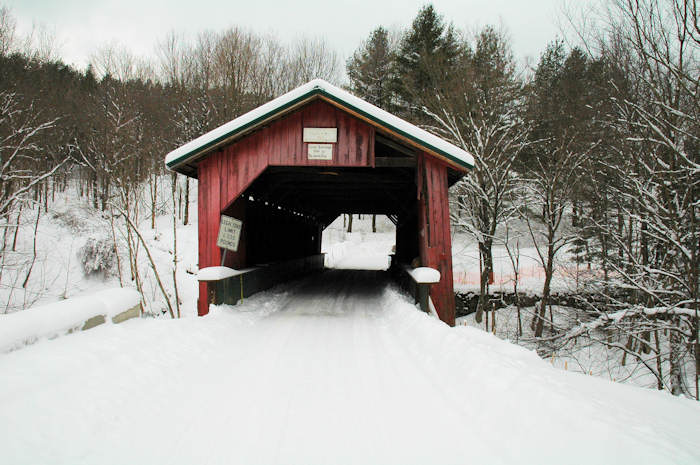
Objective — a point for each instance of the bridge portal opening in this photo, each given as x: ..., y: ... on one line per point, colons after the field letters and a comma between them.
x: 359, y: 242
x: 295, y: 212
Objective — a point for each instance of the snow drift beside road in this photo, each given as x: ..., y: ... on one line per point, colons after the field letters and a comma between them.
x: 58, y: 318
x: 341, y: 369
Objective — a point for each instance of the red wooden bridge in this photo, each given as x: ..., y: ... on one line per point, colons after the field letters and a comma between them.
x: 287, y: 169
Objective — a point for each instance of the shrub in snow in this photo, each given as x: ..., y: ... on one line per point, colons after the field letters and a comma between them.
x: 70, y: 219
x: 97, y: 255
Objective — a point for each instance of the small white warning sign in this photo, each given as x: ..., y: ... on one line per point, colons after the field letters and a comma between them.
x: 229, y: 233
x: 320, y: 152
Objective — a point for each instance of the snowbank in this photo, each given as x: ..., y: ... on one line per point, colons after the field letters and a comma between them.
x: 335, y: 369
x: 425, y: 275
x: 216, y: 273
x: 59, y: 318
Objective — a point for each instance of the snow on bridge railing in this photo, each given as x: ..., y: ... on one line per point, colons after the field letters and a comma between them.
x: 422, y: 277
x: 217, y: 273
x: 59, y: 318
x: 229, y: 286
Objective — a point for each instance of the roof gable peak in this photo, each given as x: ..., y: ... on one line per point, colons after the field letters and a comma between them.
x: 317, y: 88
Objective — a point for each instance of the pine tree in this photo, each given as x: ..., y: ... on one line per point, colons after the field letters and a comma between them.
x: 369, y: 69
x: 428, y: 53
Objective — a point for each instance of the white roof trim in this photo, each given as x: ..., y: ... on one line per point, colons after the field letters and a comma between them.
x: 220, y: 135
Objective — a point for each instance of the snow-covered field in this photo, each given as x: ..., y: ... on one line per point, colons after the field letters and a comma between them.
x: 337, y: 368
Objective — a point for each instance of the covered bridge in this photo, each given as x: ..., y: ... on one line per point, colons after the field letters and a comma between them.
x: 287, y: 169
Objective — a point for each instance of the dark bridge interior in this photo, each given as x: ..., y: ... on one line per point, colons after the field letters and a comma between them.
x: 287, y: 208
x: 324, y: 193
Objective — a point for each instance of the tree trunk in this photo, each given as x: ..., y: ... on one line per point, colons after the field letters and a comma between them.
x: 105, y: 193
x: 604, y: 244
x: 486, y: 259
x: 659, y: 364
x: 174, y: 217
x: 350, y: 223
x: 540, y: 313
x: 154, y: 195
x: 186, y: 220
x: 14, y: 238
x: 93, y: 191
x: 620, y: 232
x: 675, y: 359
x: 31, y: 265
x: 116, y: 248
x: 46, y: 196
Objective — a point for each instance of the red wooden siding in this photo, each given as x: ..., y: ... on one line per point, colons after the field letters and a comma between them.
x: 435, y: 242
x: 224, y: 175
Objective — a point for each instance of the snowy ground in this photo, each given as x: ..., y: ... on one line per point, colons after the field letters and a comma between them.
x: 342, y: 369
x: 337, y: 368
x: 361, y: 249
x: 466, y: 268
x: 57, y: 273
x: 582, y: 355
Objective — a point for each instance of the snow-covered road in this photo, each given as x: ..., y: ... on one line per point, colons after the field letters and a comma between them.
x: 337, y: 368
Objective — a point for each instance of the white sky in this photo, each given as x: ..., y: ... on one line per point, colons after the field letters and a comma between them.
x: 81, y: 26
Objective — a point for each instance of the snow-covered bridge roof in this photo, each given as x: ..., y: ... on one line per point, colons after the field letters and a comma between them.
x: 318, y: 88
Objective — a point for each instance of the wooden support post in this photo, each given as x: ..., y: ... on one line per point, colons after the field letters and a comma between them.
x: 434, y: 238
x: 423, y: 295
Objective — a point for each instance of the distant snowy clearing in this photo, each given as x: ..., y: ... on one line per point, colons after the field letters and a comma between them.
x: 337, y: 368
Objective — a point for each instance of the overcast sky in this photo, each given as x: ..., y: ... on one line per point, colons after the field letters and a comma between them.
x: 83, y: 25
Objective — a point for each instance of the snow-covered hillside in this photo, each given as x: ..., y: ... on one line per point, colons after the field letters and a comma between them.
x: 70, y: 222
x: 341, y: 369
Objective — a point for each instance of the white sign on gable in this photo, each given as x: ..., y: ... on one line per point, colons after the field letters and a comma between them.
x: 229, y: 233
x: 320, y: 152
x: 328, y: 135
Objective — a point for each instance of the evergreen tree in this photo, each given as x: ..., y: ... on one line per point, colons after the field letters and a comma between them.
x: 369, y: 69
x: 428, y: 54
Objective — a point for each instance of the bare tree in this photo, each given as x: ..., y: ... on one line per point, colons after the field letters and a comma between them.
x: 651, y: 312
x: 8, y: 27
x: 311, y: 58
x: 174, y: 60
x: 120, y: 63
x: 663, y: 124
x: 23, y: 168
x: 513, y: 251
x: 21, y: 164
x: 112, y: 141
x: 480, y: 109
x: 547, y: 193
x: 40, y: 44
